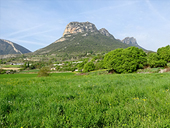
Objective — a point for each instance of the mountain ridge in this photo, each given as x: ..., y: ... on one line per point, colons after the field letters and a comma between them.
x: 82, y: 37
x: 9, y: 47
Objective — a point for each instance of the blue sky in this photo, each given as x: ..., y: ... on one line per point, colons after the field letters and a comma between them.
x: 35, y: 24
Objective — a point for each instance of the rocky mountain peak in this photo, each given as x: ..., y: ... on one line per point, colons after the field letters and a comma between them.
x: 104, y: 32
x: 130, y: 41
x: 76, y: 27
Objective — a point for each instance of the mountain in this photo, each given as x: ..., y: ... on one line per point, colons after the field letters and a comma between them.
x: 131, y: 41
x: 8, y: 47
x: 82, y: 37
x: 104, y: 32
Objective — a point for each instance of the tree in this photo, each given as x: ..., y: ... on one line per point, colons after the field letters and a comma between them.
x: 154, y: 61
x: 80, y: 66
x: 99, y: 65
x: 89, y: 67
x: 164, y: 53
x: 125, y: 60
x: 44, y: 71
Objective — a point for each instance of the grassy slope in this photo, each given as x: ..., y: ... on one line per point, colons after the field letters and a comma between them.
x: 77, y: 44
x: 130, y: 100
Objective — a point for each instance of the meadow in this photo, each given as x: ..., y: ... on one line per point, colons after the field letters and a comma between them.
x: 70, y: 100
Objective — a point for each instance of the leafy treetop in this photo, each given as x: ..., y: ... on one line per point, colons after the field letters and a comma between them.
x: 164, y: 53
x: 125, y: 60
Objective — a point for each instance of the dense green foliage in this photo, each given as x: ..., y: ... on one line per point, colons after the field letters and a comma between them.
x: 80, y: 66
x: 155, y: 61
x: 89, y: 67
x: 2, y: 62
x: 164, y: 53
x: 129, y: 100
x: 160, y: 58
x: 2, y: 71
x: 125, y: 60
x: 99, y: 65
x: 44, y: 71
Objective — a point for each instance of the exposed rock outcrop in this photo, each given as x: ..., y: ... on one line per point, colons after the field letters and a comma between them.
x: 130, y: 41
x: 104, y: 32
x: 76, y: 27
x: 82, y: 37
x: 82, y: 27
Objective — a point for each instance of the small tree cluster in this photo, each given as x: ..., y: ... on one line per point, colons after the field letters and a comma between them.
x: 125, y: 60
x: 154, y: 61
x: 80, y: 66
x: 89, y: 67
x: 2, y: 62
x: 159, y: 59
x: 164, y: 53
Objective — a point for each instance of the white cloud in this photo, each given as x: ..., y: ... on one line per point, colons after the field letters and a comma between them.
x: 25, y: 30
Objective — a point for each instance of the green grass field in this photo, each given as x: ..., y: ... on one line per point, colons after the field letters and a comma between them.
x: 33, y: 75
x: 11, y: 66
x: 68, y: 100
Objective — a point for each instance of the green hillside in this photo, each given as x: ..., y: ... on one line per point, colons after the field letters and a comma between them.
x: 76, y: 44
x: 8, y: 47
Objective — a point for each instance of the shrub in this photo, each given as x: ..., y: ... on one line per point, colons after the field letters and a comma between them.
x: 164, y: 53
x: 89, y: 67
x: 44, y: 71
x: 2, y: 71
x: 80, y: 66
x: 154, y: 61
x: 99, y: 65
x: 125, y: 60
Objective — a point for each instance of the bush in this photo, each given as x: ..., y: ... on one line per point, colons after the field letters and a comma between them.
x: 2, y: 71
x: 99, y: 65
x: 88, y: 67
x: 44, y: 71
x: 154, y: 61
x: 125, y: 60
x: 80, y: 66
x: 164, y: 53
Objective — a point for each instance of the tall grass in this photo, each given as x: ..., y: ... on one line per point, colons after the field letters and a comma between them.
x: 129, y: 100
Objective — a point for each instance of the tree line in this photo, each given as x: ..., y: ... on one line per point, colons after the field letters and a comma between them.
x: 131, y: 59
x: 119, y: 60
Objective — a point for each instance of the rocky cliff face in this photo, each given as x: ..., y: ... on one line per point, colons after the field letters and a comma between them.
x: 104, y: 32
x: 82, y: 27
x: 82, y: 37
x: 130, y: 41
x: 76, y: 27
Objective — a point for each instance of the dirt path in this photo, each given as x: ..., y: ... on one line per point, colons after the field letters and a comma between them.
x: 11, y: 68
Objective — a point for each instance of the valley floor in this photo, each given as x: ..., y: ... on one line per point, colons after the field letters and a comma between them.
x: 69, y: 100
